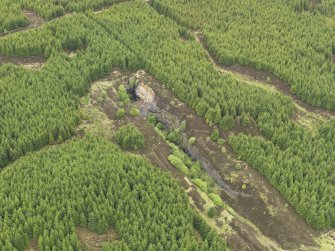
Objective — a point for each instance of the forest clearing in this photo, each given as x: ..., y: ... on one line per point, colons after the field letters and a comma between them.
x: 154, y: 125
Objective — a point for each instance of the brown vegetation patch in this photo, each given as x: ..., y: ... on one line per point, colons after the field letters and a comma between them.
x: 71, y: 54
x: 33, y: 245
x: 33, y: 62
x: 198, y: 236
x: 91, y: 241
x: 34, y: 19
x: 198, y: 200
x: 245, y: 240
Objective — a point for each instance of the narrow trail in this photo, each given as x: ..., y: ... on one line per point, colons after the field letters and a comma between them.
x: 263, y: 79
x: 33, y: 62
x: 35, y: 21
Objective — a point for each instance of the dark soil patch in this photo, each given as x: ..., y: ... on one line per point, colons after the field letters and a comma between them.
x: 245, y: 235
x: 91, y: 241
x: 34, y: 22
x: 284, y: 225
x: 251, y: 130
x: 33, y: 245
x: 80, y: 133
x: 236, y: 242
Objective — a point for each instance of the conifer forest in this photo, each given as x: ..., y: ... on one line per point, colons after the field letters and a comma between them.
x: 158, y: 125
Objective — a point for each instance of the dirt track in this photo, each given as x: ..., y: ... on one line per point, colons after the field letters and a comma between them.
x: 34, y: 22
x: 35, y: 62
x: 262, y: 77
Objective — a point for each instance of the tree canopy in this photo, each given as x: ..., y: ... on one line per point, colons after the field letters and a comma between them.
x: 41, y: 107
x: 130, y: 137
x: 90, y: 183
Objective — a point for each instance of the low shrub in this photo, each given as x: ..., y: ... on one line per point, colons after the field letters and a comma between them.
x: 129, y: 137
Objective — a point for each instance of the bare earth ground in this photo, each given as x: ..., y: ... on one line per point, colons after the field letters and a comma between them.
x: 35, y: 62
x: 260, y: 219
x: 91, y: 241
x: 32, y: 62
x: 33, y: 245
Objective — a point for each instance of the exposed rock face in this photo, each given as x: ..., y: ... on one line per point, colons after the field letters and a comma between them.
x: 145, y: 93
x: 145, y: 98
